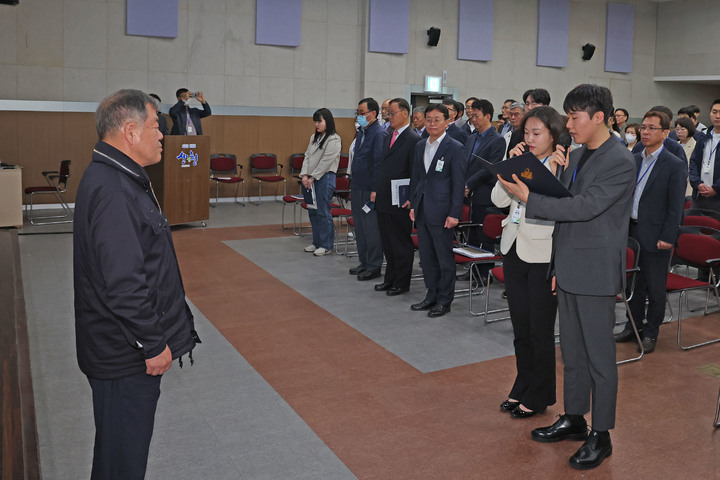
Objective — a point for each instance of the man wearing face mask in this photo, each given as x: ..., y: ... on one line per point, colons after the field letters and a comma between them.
x: 367, y: 154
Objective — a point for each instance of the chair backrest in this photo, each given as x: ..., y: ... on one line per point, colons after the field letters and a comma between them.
x: 223, y: 163
x: 695, y: 248
x: 701, y: 218
x: 465, y: 215
x: 344, y: 162
x: 296, y: 162
x: 492, y: 225
x: 263, y: 163
x: 342, y: 184
x: 63, y: 174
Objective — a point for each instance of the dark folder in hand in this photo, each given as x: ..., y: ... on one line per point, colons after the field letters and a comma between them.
x: 532, y: 172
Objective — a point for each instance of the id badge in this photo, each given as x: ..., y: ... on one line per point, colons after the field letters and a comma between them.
x: 706, y: 168
x: 517, y: 213
x: 439, y: 166
x: 189, y: 129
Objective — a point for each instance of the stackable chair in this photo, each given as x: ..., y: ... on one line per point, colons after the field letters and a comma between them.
x: 716, y: 423
x: 56, y: 185
x: 296, y: 161
x: 696, y: 247
x: 224, y: 169
x: 632, y: 262
x: 264, y: 167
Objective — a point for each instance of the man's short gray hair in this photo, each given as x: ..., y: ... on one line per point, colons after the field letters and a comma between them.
x: 120, y: 107
x: 420, y: 110
x: 517, y: 105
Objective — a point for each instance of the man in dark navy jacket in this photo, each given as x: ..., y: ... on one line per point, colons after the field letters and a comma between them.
x: 364, y: 184
x: 436, y: 194
x: 705, y: 165
x: 654, y: 222
x: 131, y: 318
x: 186, y: 119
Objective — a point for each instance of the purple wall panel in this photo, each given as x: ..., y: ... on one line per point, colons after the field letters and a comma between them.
x: 152, y: 18
x: 619, y: 37
x: 553, y: 33
x: 278, y: 22
x: 389, y: 26
x: 475, y: 30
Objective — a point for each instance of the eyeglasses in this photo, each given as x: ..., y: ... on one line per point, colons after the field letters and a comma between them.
x: 362, y: 114
x: 531, y: 104
x: 649, y: 128
x: 434, y: 120
x: 392, y: 114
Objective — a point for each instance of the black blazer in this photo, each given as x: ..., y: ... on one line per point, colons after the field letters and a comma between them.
x: 457, y: 133
x: 438, y: 193
x: 396, y: 163
x: 662, y: 201
x: 179, y: 118
x: 479, y: 179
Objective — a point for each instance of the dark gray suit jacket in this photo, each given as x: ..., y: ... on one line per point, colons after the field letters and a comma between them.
x: 590, y: 237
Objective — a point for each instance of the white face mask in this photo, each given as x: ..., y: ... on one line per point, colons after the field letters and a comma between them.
x: 630, y: 138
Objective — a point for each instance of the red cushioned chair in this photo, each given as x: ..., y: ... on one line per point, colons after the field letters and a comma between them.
x: 343, y: 164
x: 296, y: 163
x: 342, y: 190
x: 341, y: 216
x: 265, y: 168
x: 697, y: 249
x: 56, y: 185
x: 224, y: 169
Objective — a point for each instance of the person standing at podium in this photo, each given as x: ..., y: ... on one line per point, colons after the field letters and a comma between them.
x: 186, y: 119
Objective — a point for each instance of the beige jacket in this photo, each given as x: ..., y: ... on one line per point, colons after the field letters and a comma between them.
x: 319, y: 161
x: 532, y: 238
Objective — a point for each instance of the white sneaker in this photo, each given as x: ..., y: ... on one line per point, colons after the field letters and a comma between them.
x: 310, y: 248
x: 321, y: 251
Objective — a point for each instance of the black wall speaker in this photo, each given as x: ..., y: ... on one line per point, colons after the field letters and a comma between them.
x: 588, y: 51
x: 9, y: 2
x: 433, y: 36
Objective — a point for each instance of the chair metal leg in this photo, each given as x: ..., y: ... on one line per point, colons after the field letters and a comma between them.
x: 635, y: 330
x: 242, y: 194
x: 65, y: 207
x: 487, y: 307
x: 679, y: 321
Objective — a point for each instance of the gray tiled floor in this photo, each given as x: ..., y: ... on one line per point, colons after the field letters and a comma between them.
x: 219, y: 419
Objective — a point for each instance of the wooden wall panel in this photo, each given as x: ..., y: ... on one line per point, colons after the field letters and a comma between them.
x: 40, y: 140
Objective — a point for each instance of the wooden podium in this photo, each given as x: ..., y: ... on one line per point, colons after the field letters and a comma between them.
x: 180, y: 180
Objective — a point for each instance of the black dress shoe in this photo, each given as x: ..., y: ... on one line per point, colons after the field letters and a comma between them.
x: 508, y: 406
x: 627, y: 335
x: 595, y: 449
x: 381, y: 287
x: 368, y: 275
x: 562, y: 429
x: 438, y: 311
x: 648, y: 344
x: 396, y: 291
x: 357, y: 270
x: 518, y: 412
x: 424, y: 305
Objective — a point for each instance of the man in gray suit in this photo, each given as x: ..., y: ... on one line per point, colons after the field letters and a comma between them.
x: 589, y: 245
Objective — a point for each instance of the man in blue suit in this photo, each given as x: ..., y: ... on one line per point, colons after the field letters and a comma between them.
x: 488, y: 144
x: 365, y: 183
x: 654, y: 222
x: 186, y: 119
x: 436, y: 194
x: 705, y: 165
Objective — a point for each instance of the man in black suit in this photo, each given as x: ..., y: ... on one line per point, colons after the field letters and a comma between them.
x: 488, y: 144
x: 705, y: 165
x: 452, y: 129
x: 395, y: 225
x: 436, y: 193
x: 654, y: 221
x: 186, y: 120
x: 418, y: 120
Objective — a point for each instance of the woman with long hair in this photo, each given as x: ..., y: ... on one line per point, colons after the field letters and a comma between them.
x: 318, y: 172
x: 526, y: 245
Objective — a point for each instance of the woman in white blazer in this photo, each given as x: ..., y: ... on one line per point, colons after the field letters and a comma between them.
x: 321, y: 162
x: 527, y: 245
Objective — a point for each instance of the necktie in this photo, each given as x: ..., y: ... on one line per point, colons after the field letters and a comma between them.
x: 394, y: 136
x: 189, y: 129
